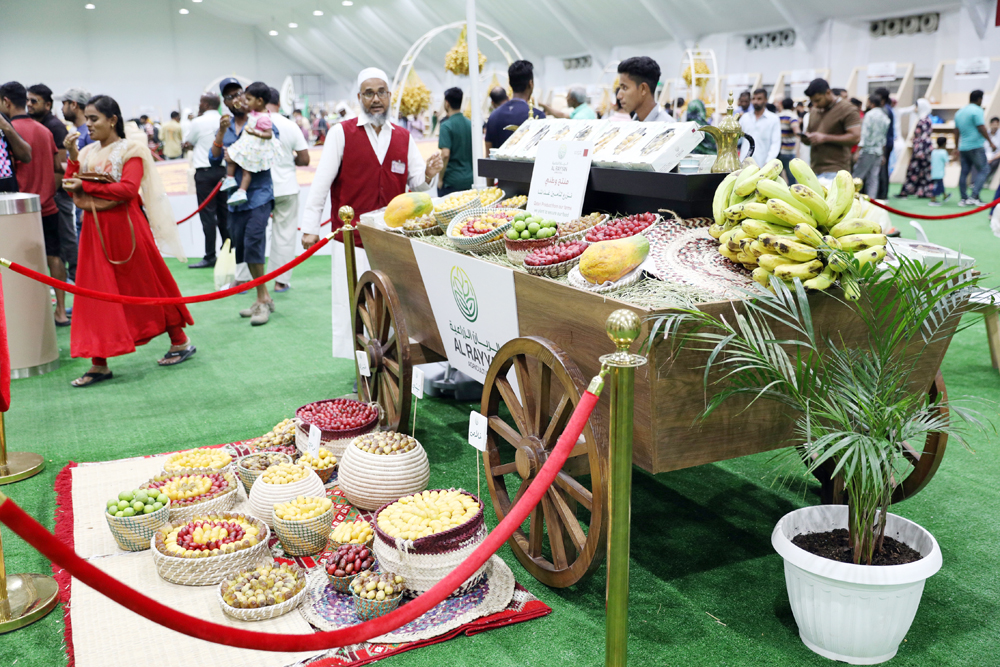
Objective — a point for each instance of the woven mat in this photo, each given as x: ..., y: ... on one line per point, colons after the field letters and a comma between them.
x: 94, y: 623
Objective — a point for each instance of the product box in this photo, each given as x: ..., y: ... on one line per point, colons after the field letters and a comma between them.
x: 616, y: 140
x: 660, y: 148
x: 511, y: 147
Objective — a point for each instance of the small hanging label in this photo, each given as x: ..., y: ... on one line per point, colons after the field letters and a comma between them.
x: 362, y: 358
x: 477, y: 430
x: 417, y: 382
x: 314, y: 441
x: 398, y: 167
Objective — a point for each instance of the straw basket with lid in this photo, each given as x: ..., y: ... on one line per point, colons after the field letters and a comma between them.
x: 265, y: 495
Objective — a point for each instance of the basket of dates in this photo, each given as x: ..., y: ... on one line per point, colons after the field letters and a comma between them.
x: 204, y: 550
x: 283, y: 483
x: 357, y: 532
x: 425, y: 225
x: 265, y: 592
x: 339, y: 421
x: 446, y: 208
x: 213, y: 458
x: 576, y: 229
x: 195, y: 492
x: 347, y: 562
x: 303, y: 524
x: 478, y: 227
x: 251, y: 466
x: 556, y: 260
x: 517, y: 201
x: 280, y: 439
x: 376, y: 593
x: 324, y: 463
x: 380, y: 467
x: 621, y: 228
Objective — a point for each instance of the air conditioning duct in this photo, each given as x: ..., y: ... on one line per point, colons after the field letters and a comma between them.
x: 787, y: 37
x: 929, y: 22
x: 911, y: 25
x: 893, y: 27
x: 876, y: 29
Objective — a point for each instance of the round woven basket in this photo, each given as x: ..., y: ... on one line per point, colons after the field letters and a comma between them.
x: 211, y: 570
x: 581, y: 235
x: 326, y: 434
x: 262, y: 613
x: 436, y: 230
x: 445, y: 217
x: 501, y: 204
x: 133, y: 533
x: 653, y: 225
x: 247, y: 476
x: 491, y: 248
x: 369, y: 609
x: 264, y: 496
x: 576, y: 279
x: 469, y: 243
x: 518, y: 250
x: 303, y: 538
x: 553, y: 270
x: 492, y: 204
x: 220, y: 503
x: 372, y: 480
x: 169, y: 469
x: 424, y: 562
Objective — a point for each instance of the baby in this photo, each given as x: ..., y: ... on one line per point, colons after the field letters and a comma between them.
x: 255, y: 149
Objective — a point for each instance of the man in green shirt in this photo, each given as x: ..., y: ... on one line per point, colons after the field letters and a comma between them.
x: 455, y: 142
x: 576, y: 100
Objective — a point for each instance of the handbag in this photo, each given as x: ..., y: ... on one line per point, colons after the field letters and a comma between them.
x: 95, y: 204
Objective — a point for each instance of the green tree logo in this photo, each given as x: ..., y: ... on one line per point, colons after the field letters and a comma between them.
x: 464, y: 293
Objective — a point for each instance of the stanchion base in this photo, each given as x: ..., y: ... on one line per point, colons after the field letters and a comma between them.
x: 31, y: 596
x: 20, y: 465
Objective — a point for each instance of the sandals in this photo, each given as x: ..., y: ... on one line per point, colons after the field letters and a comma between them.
x: 184, y: 355
x: 94, y: 379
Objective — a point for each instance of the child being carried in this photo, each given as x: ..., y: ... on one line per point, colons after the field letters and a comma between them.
x: 255, y: 150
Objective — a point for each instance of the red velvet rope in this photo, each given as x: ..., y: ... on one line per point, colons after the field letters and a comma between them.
x: 935, y: 217
x: 64, y: 556
x: 171, y: 300
x: 203, y: 204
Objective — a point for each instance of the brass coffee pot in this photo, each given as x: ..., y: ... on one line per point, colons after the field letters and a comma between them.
x: 727, y: 137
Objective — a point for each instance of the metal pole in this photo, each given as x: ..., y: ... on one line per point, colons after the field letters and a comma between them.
x: 5, y: 615
x: 472, y: 38
x: 623, y: 327
x: 16, y: 466
x: 346, y: 214
x: 24, y: 598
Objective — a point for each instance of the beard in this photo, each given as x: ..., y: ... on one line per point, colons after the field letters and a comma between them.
x: 376, y: 119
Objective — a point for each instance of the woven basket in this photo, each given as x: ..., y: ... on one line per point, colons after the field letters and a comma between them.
x: 581, y: 235
x: 469, y: 243
x: 424, y: 562
x: 653, y: 225
x: 499, y: 203
x: 492, y: 204
x: 436, y: 230
x: 248, y: 477
x: 220, y: 503
x: 303, y: 538
x: 175, y: 471
x: 445, y: 217
x: 372, y: 480
x: 341, y: 584
x: 491, y: 248
x: 263, y: 613
x: 212, y: 570
x: 333, y: 545
x: 518, y: 250
x: 576, y: 279
x: 325, y: 434
x: 264, y: 496
x: 133, y: 533
x: 369, y: 609
x: 553, y: 270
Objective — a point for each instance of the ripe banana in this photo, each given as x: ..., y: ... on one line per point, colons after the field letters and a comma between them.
x: 726, y: 252
x: 852, y: 291
x: 762, y: 276
x: 855, y: 226
x: 715, y: 230
x: 778, y: 190
x: 841, y: 197
x: 728, y: 234
x: 759, y: 211
x: 838, y: 261
x: 816, y: 204
x: 799, y: 252
x: 862, y: 241
x: 770, y: 169
x: 789, y: 214
x: 746, y: 259
x: 749, y: 169
x: 822, y: 281
x: 804, y: 174
x: 875, y: 254
x: 755, y: 228
x: 770, y: 261
x: 808, y: 235
x: 734, y: 212
x: 721, y: 199
x: 737, y: 199
x: 832, y: 242
x: 802, y: 271
x: 756, y: 248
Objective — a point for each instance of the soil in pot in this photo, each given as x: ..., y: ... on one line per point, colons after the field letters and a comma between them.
x: 835, y: 545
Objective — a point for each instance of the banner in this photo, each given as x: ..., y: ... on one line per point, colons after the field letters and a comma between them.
x: 474, y: 306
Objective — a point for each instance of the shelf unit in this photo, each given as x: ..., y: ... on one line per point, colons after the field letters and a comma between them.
x: 778, y: 92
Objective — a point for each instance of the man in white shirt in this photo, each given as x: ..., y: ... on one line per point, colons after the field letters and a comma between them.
x: 638, y: 78
x: 198, y: 138
x: 384, y: 162
x: 765, y: 128
x: 285, y: 212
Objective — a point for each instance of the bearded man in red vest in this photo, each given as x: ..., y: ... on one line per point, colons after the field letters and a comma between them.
x: 382, y: 161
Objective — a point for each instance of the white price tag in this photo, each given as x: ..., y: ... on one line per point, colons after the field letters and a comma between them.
x: 417, y: 382
x: 362, y: 358
x: 314, y: 440
x: 477, y: 430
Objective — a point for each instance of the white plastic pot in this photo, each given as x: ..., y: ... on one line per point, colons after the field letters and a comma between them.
x: 855, y: 613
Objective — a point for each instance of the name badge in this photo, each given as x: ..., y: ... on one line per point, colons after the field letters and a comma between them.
x: 398, y: 167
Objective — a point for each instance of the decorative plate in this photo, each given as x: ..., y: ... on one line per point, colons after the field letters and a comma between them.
x: 683, y: 252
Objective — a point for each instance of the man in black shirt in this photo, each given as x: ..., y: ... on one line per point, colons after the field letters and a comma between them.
x: 40, y: 108
x: 515, y: 110
x: 12, y: 147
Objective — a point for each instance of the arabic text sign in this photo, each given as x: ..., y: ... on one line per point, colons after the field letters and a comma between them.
x: 473, y: 303
x: 972, y: 68
x: 559, y: 179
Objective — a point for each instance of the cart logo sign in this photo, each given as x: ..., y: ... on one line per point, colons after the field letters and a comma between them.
x: 464, y: 293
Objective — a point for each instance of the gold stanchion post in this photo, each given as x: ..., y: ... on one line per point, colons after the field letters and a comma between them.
x: 346, y: 215
x: 15, y: 466
x: 623, y: 327
x: 24, y: 598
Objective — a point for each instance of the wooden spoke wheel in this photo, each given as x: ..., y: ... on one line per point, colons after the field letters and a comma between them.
x: 564, y: 537
x: 379, y: 331
x: 922, y: 464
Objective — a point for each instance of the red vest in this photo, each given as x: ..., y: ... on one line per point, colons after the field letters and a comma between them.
x: 363, y: 183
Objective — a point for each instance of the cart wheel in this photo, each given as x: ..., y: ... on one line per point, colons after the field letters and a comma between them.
x: 923, y: 463
x: 564, y: 536
x: 380, y: 332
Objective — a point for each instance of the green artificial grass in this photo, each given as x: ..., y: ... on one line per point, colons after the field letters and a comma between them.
x: 706, y: 586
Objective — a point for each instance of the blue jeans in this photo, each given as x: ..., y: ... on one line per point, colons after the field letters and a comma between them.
x: 938, y: 188
x: 248, y: 231
x: 974, y: 164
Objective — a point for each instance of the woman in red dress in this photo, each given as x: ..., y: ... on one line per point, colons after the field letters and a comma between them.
x: 117, y: 250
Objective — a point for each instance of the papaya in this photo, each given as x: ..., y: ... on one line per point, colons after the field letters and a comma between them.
x: 407, y: 206
x: 608, y: 261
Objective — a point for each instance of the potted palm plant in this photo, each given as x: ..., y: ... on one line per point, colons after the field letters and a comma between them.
x: 855, y: 408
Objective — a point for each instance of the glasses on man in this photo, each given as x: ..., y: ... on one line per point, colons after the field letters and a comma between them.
x: 370, y: 94
x: 232, y: 96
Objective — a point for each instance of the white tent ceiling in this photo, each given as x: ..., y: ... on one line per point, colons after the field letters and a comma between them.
x: 378, y: 32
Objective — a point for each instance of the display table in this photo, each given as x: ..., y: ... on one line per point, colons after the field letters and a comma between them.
x: 31, y: 328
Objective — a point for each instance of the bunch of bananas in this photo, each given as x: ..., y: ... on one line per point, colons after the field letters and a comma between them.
x: 416, y: 97
x: 805, y: 231
x: 456, y: 60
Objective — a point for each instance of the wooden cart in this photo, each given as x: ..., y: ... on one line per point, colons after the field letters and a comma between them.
x: 563, y: 336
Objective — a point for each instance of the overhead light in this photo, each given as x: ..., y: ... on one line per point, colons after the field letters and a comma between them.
x: 347, y: 3
x: 318, y: 12
x: 89, y: 6
x: 293, y: 25
x: 273, y: 33
x: 195, y: 0
x: 184, y: 11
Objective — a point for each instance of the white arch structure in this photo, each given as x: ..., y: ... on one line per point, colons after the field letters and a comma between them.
x: 487, y: 32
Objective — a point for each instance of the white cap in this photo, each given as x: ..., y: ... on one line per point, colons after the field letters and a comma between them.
x: 371, y: 73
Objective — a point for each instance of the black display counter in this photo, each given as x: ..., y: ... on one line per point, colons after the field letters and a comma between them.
x: 620, y: 190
